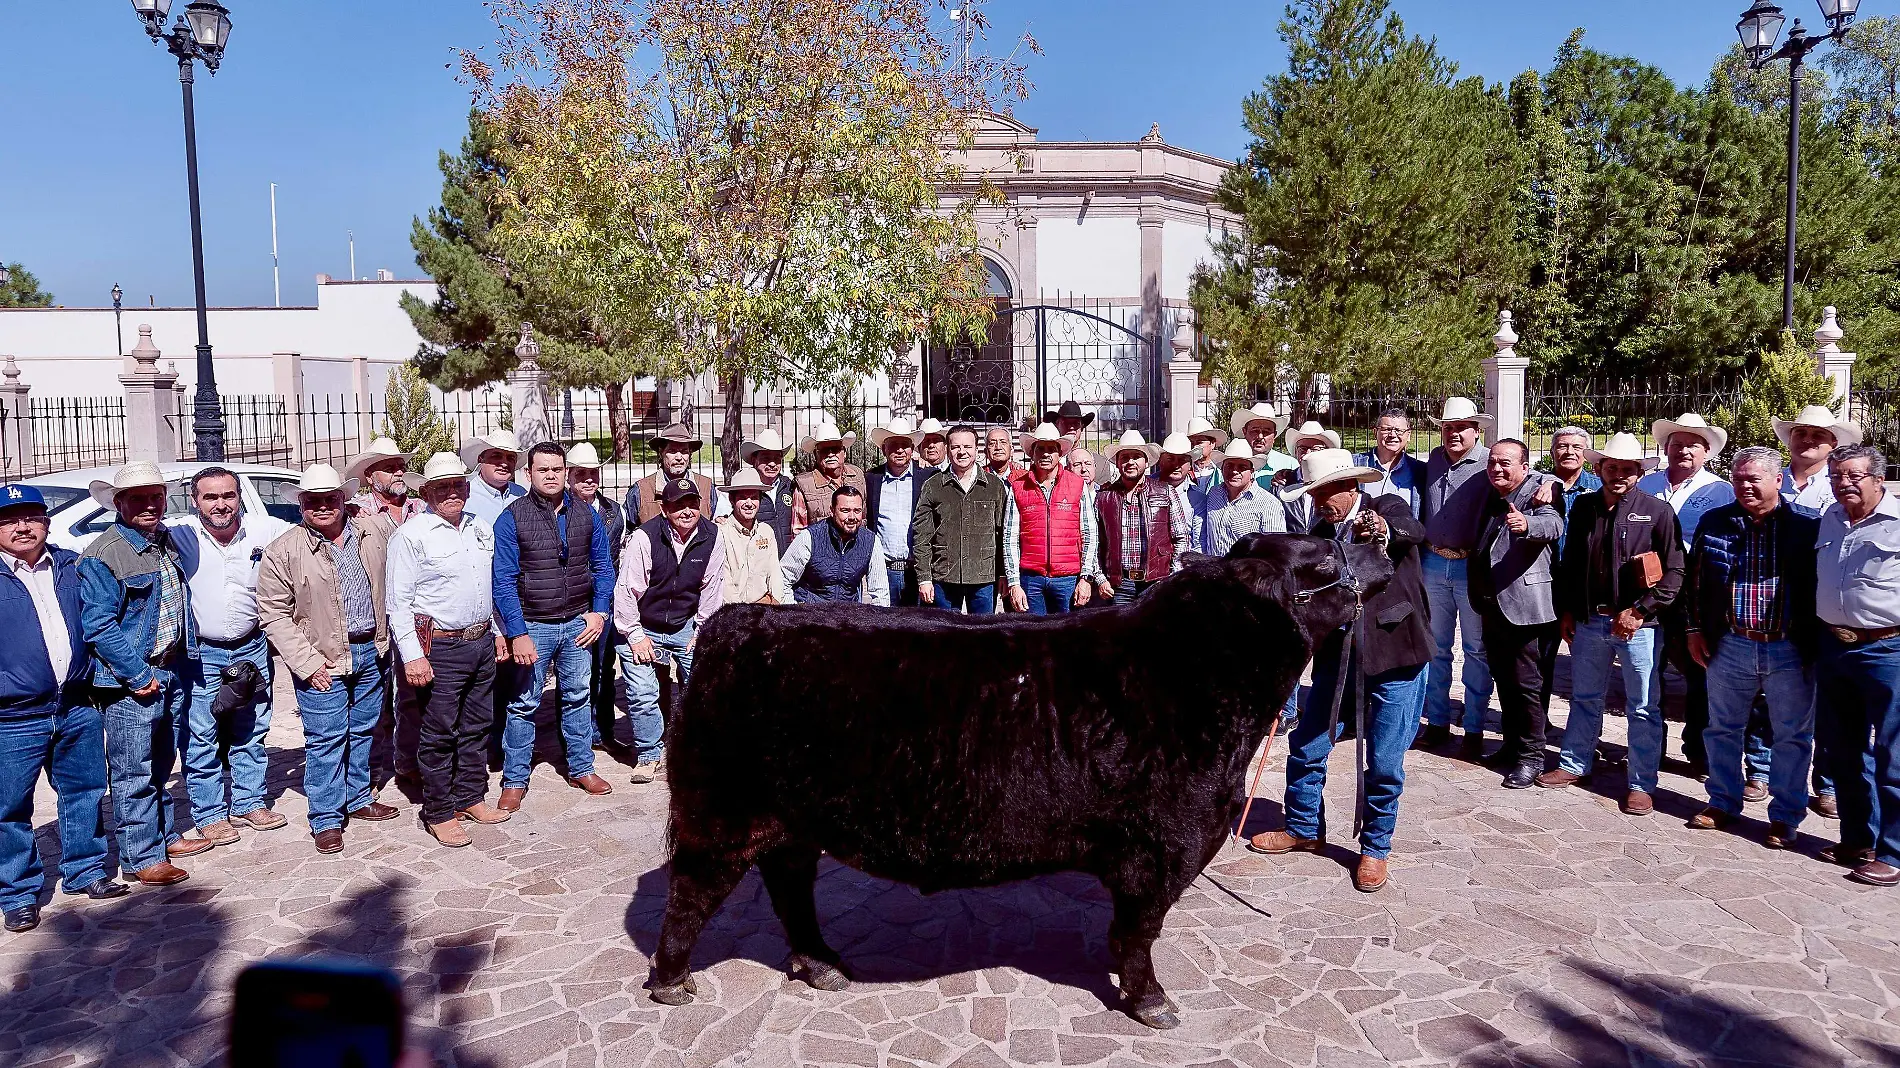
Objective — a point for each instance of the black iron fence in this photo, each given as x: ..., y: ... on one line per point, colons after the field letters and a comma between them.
x: 1875, y: 405
x: 1604, y: 406
x: 66, y: 433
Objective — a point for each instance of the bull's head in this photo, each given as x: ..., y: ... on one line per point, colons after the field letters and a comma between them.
x: 1322, y: 583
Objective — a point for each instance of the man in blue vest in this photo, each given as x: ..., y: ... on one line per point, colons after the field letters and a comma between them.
x: 554, y: 585
x: 46, y: 719
x: 671, y: 577
x: 837, y: 559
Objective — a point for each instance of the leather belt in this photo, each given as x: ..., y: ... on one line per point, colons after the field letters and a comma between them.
x: 1862, y: 635
x: 231, y: 643
x: 1452, y: 554
x: 474, y: 632
x: 1758, y: 635
x: 362, y: 638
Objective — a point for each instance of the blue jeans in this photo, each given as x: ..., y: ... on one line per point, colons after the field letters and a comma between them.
x: 1128, y: 589
x: 978, y: 600
x: 199, y: 736
x: 1758, y: 754
x: 903, y: 594
x: 1449, y: 599
x: 337, y: 726
x: 141, y: 746
x: 573, y: 675
x: 1391, y: 724
x: 70, y: 744
x: 1861, y: 686
x: 1741, y: 670
x: 1047, y: 593
x: 1592, y: 649
x: 643, y: 689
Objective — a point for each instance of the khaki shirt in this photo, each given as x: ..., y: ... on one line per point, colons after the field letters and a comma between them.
x: 752, y: 565
x: 300, y: 605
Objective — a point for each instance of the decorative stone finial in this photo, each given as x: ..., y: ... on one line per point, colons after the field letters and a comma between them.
x: 1827, y: 336
x: 1505, y: 337
x: 528, y: 350
x: 144, y: 354
x: 1154, y: 133
x: 11, y: 372
x: 1183, y: 340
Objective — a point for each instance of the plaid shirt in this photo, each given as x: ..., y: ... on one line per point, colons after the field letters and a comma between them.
x: 1755, y: 589
x: 172, y: 607
x: 359, y: 608
x: 1135, y: 530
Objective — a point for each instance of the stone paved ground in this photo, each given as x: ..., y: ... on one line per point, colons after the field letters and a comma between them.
x: 1520, y: 928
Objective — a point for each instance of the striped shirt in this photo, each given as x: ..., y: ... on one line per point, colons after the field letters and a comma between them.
x: 359, y: 607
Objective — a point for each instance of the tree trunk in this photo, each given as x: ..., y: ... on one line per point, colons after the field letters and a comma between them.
x: 1303, y: 399
x: 733, y: 433
x: 617, y: 421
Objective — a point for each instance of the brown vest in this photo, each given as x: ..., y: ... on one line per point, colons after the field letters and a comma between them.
x: 649, y: 502
x: 818, y: 497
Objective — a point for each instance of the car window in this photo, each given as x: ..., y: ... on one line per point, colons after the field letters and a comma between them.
x: 278, y: 495
x: 177, y: 506
x: 58, y: 497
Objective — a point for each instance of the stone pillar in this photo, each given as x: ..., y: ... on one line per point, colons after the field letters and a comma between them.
x: 365, y: 402
x: 16, y: 424
x: 528, y: 385
x: 1833, y: 364
x: 1184, y: 378
x: 287, y: 376
x: 151, y: 406
x: 1504, y: 382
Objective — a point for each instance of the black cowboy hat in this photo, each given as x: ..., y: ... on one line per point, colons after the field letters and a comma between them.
x: 1068, y: 410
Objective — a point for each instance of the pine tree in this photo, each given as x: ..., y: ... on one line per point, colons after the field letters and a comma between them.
x: 410, y: 416
x: 23, y: 290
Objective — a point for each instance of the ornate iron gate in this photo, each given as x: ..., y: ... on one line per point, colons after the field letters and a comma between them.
x: 1038, y: 356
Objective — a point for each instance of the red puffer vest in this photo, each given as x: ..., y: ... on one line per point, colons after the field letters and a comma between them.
x: 1052, y: 529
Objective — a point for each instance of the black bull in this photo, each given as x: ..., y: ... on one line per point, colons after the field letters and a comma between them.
x: 957, y: 751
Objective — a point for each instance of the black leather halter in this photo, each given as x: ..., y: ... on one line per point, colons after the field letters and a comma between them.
x: 1346, y: 578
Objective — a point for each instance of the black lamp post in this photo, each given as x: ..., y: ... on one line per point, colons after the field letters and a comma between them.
x: 118, y: 325
x: 199, y: 34
x: 1759, y: 27
x: 6, y: 276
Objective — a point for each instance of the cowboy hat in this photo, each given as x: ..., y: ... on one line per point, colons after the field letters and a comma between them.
x: 1689, y: 423
x: 442, y: 467
x: 1200, y: 428
x: 1068, y: 410
x: 930, y: 428
x: 1238, y: 449
x: 823, y: 434
x: 1845, y: 433
x: 379, y: 450
x: 1623, y: 446
x: 322, y: 478
x: 1308, y: 431
x: 743, y: 480
x: 898, y: 428
x: 583, y: 454
x: 1462, y: 410
x: 1323, y: 467
x: 135, y: 475
x: 1132, y: 441
x: 766, y: 440
x: 1261, y: 411
x: 504, y: 440
x: 1177, y: 444
x: 674, y: 434
x: 1045, y: 434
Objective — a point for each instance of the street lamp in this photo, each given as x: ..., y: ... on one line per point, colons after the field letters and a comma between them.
x: 199, y: 34
x: 1759, y: 27
x: 118, y: 325
x: 6, y: 276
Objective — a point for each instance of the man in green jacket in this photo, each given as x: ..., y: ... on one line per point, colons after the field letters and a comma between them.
x: 963, y: 533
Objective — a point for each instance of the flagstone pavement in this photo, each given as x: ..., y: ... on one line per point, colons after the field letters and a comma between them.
x: 1520, y: 928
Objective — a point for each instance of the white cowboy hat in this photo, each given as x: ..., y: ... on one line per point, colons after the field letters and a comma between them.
x: 1132, y: 441
x: 1623, y: 447
x: 1241, y: 417
x: 442, y: 467
x: 583, y: 454
x: 1200, y: 428
x: 744, y: 479
x: 379, y: 450
x: 1689, y: 423
x: 322, y: 478
x: 930, y: 428
x: 1238, y: 449
x: 1845, y: 433
x: 1177, y: 444
x: 1045, y: 433
x: 1322, y: 467
x: 766, y: 440
x: 898, y: 428
x: 825, y: 433
x: 1462, y: 410
x: 1308, y: 431
x: 505, y: 440
x: 137, y: 474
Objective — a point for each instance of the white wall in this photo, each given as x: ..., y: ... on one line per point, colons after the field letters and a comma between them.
x: 1099, y: 257
x: 1183, y: 244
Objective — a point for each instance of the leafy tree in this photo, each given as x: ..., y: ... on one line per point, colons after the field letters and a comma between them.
x: 1783, y: 382
x: 1377, y: 203
x: 410, y: 416
x: 23, y: 290
x: 1865, y: 66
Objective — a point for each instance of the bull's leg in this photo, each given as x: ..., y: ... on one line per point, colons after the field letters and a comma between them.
x: 791, y: 873
x: 1131, y: 938
x: 701, y: 881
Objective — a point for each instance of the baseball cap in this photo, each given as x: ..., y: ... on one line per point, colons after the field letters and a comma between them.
x: 678, y: 489
x: 15, y: 496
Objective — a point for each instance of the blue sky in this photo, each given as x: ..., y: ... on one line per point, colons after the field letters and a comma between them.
x: 345, y: 103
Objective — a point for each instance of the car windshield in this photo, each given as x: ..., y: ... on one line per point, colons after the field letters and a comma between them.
x: 58, y: 497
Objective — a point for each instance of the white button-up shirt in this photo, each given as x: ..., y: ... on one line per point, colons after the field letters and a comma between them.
x: 1698, y: 494
x: 39, y: 582
x: 1811, y: 499
x: 223, y: 578
x: 440, y: 571
x: 1857, y: 569
x: 486, y: 502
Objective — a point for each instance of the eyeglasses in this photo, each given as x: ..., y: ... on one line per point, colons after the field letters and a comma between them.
x: 1851, y: 477
x: 10, y: 521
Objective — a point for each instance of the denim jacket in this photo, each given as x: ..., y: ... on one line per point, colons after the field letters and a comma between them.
x: 118, y: 603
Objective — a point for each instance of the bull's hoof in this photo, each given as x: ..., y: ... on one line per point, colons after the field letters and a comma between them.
x: 818, y: 974
x: 1157, y: 1011
x: 680, y: 993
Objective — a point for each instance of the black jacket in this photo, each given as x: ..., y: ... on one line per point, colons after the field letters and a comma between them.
x: 1711, y: 563
x: 874, y: 481
x: 1643, y: 524
x: 614, y: 518
x: 1397, y: 630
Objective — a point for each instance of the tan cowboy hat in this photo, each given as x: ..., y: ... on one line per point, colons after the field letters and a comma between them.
x: 1200, y: 428
x: 744, y: 479
x: 1623, y: 446
x: 442, y: 467
x: 1308, y: 431
x: 379, y: 450
x: 322, y: 478
x: 1238, y: 422
x: 1238, y: 449
x: 1323, y: 467
x: 1132, y: 441
x: 135, y: 475
x: 825, y: 433
x: 505, y: 440
x: 583, y: 454
x: 675, y: 434
x: 1045, y: 433
x: 1462, y: 410
x: 930, y: 428
x: 1845, y: 433
x: 766, y: 440
x: 898, y: 428
x: 1689, y: 423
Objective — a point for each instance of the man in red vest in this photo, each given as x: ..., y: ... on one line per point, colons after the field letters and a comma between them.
x: 1057, y: 528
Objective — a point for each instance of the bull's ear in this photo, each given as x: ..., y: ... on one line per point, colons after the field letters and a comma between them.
x: 1189, y: 559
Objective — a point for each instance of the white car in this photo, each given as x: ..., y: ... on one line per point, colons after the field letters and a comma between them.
x: 77, y: 518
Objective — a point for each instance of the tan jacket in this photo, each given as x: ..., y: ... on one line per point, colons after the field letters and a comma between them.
x: 752, y: 570
x: 300, y: 604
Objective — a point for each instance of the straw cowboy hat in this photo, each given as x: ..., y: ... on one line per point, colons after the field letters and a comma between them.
x: 1069, y: 410
x: 1201, y: 428
x: 742, y: 480
x: 1177, y: 444
x: 1845, y: 433
x: 135, y: 475
x: 1623, y: 446
x: 825, y: 433
x: 1239, y: 420
x: 442, y: 467
x: 766, y: 440
x: 505, y: 440
x: 379, y: 450
x: 1323, y: 467
x: 1689, y: 423
x: 1132, y: 441
x: 898, y: 428
x: 1238, y: 449
x: 322, y: 478
x: 583, y: 454
x: 1310, y: 431
x: 1045, y: 433
x: 674, y: 434
x: 930, y: 428
x: 1462, y: 410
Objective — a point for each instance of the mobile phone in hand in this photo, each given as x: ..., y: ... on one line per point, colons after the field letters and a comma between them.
x: 316, y: 1014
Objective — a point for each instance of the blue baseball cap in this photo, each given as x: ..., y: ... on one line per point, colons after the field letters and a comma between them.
x: 18, y: 496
